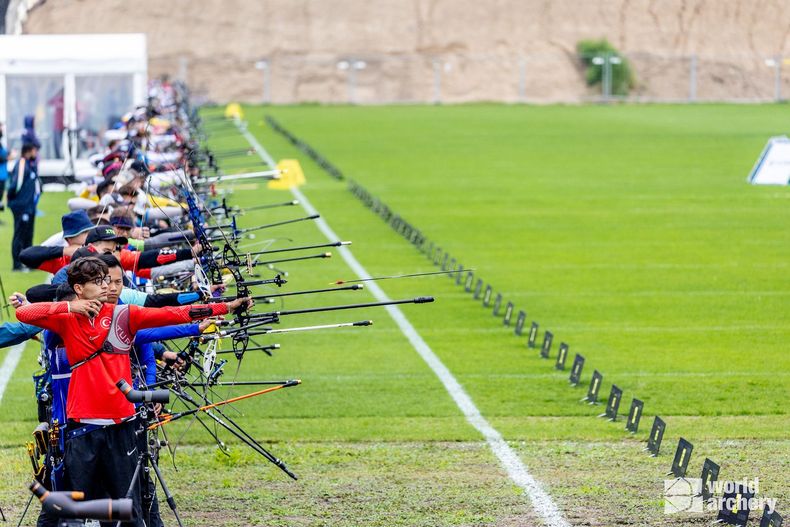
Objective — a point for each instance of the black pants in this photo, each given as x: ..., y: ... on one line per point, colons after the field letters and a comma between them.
x: 101, y: 464
x: 24, y: 220
x: 46, y: 519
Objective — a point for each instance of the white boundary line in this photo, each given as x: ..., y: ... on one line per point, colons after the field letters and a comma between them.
x: 541, y: 501
x: 9, y: 365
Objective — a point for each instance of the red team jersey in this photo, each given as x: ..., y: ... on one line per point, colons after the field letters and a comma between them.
x: 92, y: 392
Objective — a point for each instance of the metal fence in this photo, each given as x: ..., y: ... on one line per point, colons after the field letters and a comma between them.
x: 530, y: 78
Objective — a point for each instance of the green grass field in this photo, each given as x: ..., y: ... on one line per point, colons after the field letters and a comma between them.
x: 627, y: 231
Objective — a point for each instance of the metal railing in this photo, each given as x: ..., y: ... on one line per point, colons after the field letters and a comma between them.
x: 526, y: 78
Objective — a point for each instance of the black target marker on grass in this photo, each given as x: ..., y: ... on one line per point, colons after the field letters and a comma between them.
x: 533, y: 335
x: 497, y: 304
x: 735, y: 505
x: 656, y: 435
x: 613, y: 403
x: 595, y: 387
x: 470, y: 279
x: 520, y: 319
x: 710, y: 474
x: 562, y: 354
x: 487, y: 296
x: 478, y: 289
x: 576, y: 370
x: 771, y: 518
x: 508, y: 313
x: 680, y: 463
x: 634, y: 415
x: 545, y: 349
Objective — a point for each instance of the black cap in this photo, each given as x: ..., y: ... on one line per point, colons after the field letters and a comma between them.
x: 105, y: 233
x: 82, y: 252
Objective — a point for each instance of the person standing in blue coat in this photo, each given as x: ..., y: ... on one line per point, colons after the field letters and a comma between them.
x: 24, y: 189
x: 3, y: 168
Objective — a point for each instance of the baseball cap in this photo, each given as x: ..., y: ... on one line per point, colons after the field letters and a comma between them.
x: 105, y: 232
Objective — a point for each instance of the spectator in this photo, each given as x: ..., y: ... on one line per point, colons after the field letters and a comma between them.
x: 29, y: 136
x: 24, y: 190
x: 3, y: 169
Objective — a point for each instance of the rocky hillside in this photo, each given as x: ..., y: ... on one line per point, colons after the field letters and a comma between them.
x: 455, y: 50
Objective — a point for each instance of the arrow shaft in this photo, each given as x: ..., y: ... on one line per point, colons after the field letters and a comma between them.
x: 266, y: 174
x: 179, y: 415
x: 354, y: 287
x: 301, y: 248
x: 277, y: 224
x: 271, y: 205
x: 410, y: 275
x: 309, y: 328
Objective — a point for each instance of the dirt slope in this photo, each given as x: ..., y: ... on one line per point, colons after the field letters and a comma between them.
x: 493, y: 50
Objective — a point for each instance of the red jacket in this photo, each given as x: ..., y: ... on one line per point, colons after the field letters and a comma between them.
x: 92, y: 391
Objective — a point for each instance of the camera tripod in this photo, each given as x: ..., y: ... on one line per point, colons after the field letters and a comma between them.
x: 147, y: 460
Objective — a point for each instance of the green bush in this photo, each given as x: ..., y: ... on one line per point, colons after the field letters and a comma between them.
x: 622, y: 75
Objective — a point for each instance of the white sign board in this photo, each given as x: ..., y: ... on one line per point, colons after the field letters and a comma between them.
x: 773, y: 165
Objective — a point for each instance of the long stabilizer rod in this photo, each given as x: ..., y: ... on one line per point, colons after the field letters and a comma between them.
x: 354, y: 287
x: 418, y: 300
x: 277, y: 224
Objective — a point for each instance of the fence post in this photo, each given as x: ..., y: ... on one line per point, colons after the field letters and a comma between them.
x: 183, y: 69
x: 263, y: 66
x: 778, y: 78
x: 352, y: 84
x: 607, y: 76
x: 437, y: 80
x: 693, y: 78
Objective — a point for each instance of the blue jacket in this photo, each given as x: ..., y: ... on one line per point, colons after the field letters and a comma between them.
x: 12, y: 333
x: 3, y: 165
x: 23, y: 189
x: 145, y: 354
x: 29, y: 136
x: 60, y: 371
x: 179, y: 331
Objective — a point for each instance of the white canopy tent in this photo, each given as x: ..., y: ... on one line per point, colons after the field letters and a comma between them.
x: 75, y: 86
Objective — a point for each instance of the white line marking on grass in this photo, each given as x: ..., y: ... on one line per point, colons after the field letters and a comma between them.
x: 541, y: 501
x: 269, y: 160
x: 9, y: 365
